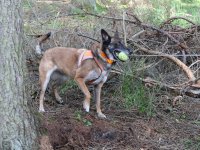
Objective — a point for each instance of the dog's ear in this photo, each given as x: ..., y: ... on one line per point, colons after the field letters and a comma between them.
x: 106, y: 39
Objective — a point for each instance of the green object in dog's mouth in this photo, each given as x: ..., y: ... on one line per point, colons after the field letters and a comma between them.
x: 122, y: 56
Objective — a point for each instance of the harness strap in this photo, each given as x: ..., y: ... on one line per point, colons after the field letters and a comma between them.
x: 97, y: 62
x: 88, y: 54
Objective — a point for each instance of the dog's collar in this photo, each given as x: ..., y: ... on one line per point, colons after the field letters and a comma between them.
x: 105, y: 58
x: 89, y: 54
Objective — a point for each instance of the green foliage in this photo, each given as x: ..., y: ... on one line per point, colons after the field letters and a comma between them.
x: 76, y: 10
x: 157, y: 11
x: 196, y: 122
x: 27, y: 5
x: 55, y: 24
x: 136, y: 94
x: 89, y: 6
x: 188, y: 1
x: 87, y: 122
x: 71, y: 84
x: 79, y: 117
x: 101, y: 9
x: 192, y: 144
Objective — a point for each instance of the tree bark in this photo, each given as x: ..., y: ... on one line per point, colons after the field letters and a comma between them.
x: 17, y: 125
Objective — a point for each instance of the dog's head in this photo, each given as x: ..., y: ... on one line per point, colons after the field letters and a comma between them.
x: 113, y: 46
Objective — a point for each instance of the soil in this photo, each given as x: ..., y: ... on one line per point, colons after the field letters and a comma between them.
x: 68, y: 127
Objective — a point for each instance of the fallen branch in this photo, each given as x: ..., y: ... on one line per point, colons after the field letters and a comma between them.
x: 185, y: 68
x: 190, y: 89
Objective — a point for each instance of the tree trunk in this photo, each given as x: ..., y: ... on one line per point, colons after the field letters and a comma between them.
x: 17, y: 125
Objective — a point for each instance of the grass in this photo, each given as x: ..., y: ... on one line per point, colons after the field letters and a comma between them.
x: 136, y: 94
x: 157, y: 11
x: 89, y: 6
x: 56, y: 24
x: 79, y: 117
x: 71, y: 84
x: 133, y: 91
x: 192, y: 144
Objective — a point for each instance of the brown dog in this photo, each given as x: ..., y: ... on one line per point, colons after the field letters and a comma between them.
x: 84, y: 66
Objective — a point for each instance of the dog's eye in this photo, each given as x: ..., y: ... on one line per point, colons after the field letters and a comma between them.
x: 110, y: 46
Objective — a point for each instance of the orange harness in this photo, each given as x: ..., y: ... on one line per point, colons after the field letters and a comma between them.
x: 88, y: 54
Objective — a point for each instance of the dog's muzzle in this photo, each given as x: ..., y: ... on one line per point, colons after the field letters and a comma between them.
x: 115, y: 53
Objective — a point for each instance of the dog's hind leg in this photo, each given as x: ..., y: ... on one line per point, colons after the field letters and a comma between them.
x: 57, y: 96
x: 58, y: 79
x: 83, y: 87
x: 97, y: 93
x: 45, y: 74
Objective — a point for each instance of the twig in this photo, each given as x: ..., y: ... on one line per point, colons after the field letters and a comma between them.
x: 124, y: 28
x: 79, y: 34
x: 137, y: 34
x: 174, y: 18
x: 136, y: 18
x: 194, y: 63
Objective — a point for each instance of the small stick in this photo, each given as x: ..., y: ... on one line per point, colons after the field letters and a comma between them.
x: 124, y: 28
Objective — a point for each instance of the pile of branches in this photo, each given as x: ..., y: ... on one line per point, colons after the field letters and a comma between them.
x: 175, y: 44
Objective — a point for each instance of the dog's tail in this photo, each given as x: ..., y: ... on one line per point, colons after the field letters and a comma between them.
x: 41, y: 40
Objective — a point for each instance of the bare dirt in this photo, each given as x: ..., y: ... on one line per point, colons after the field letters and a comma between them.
x: 69, y: 127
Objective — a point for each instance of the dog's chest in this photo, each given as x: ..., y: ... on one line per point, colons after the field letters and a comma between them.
x: 96, y: 77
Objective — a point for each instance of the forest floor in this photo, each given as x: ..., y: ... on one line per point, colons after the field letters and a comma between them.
x: 69, y: 127
x: 170, y: 127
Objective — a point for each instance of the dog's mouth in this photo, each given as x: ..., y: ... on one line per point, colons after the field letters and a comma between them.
x: 116, y: 54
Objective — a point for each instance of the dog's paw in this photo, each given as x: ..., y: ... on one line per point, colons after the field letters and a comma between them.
x: 41, y: 110
x: 59, y: 101
x: 86, y: 106
x: 101, y: 115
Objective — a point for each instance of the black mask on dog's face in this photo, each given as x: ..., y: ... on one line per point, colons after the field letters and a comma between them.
x: 113, y: 45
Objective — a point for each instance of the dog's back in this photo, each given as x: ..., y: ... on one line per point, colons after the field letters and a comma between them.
x: 64, y: 58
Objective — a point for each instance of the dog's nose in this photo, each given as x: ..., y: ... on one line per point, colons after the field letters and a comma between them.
x: 130, y: 52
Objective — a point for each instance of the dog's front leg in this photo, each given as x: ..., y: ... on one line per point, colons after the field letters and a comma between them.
x: 83, y: 87
x: 97, y: 93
